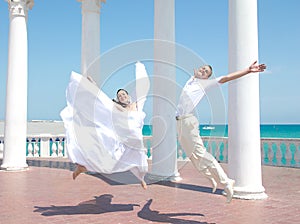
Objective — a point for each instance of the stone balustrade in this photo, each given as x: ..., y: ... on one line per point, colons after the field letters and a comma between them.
x: 274, y: 151
x: 281, y: 152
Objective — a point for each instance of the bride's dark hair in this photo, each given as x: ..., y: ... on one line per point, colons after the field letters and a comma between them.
x: 122, y: 90
x: 117, y: 101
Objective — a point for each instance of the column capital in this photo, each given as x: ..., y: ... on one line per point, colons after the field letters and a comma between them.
x: 20, y: 7
x: 91, y: 5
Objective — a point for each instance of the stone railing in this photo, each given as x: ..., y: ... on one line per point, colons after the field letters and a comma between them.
x: 42, y: 146
x: 46, y: 146
x: 274, y: 151
x: 281, y: 152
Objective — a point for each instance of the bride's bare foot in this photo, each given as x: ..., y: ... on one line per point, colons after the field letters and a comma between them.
x: 79, y: 169
x: 144, y: 185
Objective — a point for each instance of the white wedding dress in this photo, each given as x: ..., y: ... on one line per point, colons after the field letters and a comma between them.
x: 98, y: 135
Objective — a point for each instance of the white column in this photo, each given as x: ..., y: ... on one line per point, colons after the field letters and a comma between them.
x: 15, y: 128
x: 90, y: 39
x: 164, y: 159
x: 244, y: 159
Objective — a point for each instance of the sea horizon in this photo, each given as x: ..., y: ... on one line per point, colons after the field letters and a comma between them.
x: 267, y: 130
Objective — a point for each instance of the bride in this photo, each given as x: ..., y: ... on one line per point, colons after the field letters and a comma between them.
x: 104, y: 135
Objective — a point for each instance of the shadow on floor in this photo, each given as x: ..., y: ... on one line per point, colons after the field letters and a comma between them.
x: 127, y: 177
x: 120, y: 178
x: 155, y: 216
x: 101, y: 204
x: 190, y: 187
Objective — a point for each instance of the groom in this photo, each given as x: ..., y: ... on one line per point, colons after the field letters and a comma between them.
x: 188, y: 125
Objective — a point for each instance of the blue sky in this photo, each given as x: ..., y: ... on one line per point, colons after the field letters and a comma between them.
x: 54, y: 43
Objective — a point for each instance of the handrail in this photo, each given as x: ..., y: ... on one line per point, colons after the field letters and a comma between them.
x: 274, y: 151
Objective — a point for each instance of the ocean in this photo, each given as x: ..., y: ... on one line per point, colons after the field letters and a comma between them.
x: 266, y: 130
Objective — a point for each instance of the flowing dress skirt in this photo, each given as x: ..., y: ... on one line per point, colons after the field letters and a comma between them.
x: 98, y: 135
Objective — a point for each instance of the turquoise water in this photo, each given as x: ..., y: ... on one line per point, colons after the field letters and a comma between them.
x: 266, y: 130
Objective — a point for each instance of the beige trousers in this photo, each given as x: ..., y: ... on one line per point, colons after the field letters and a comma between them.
x: 190, y: 140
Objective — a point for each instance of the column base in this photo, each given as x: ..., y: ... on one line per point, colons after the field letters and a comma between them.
x: 239, y: 193
x: 14, y: 168
x: 156, y: 178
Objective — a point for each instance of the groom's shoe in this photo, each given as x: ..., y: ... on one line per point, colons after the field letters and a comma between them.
x: 214, y: 185
x: 144, y: 185
x: 229, y: 190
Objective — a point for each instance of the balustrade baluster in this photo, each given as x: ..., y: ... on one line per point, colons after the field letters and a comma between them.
x: 36, y: 148
x: 148, y: 144
x: 30, y: 151
x: 60, y: 148
x: 1, y: 147
x: 53, y: 148
x: 292, y: 150
x: 266, y: 147
x: 270, y: 152
x: 287, y: 153
x: 282, y: 152
x: 275, y: 150
x: 226, y: 151
x: 218, y: 146
x: 213, y: 148
x: 222, y: 149
x: 179, y: 154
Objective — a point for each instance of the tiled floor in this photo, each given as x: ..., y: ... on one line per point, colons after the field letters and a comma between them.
x: 46, y: 193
